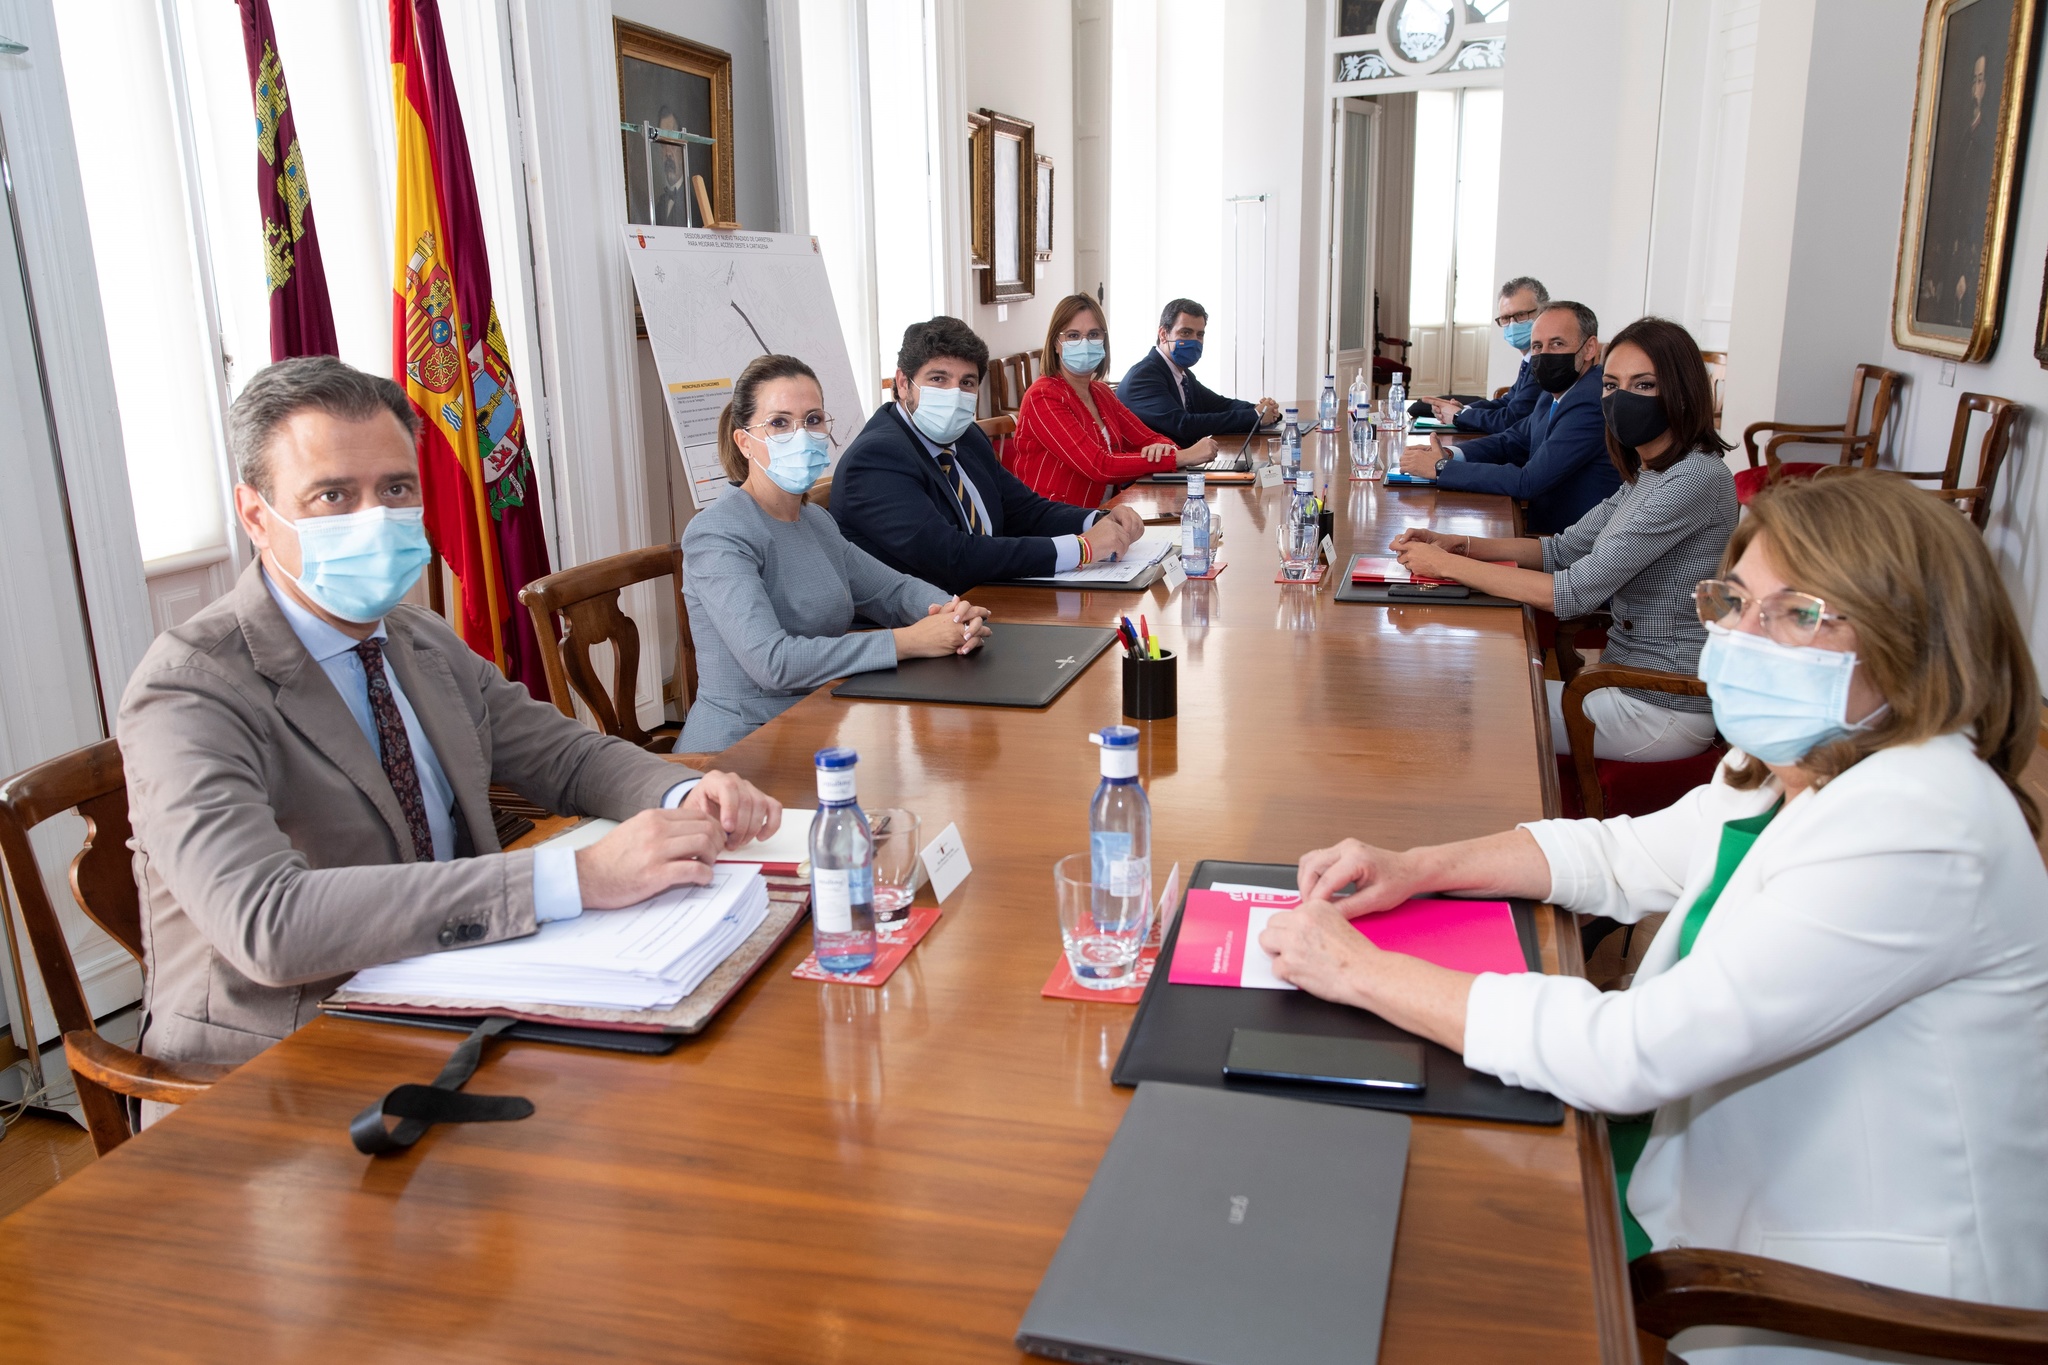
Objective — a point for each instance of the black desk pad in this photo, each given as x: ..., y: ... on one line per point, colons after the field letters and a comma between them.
x: 1019, y: 665
x: 526, y: 1030
x: 1182, y: 1033
x: 1376, y: 593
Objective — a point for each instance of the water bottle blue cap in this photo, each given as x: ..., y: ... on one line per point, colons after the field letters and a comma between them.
x: 1116, y: 737
x: 836, y: 758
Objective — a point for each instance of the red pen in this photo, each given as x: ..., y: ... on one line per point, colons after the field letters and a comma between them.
x: 1144, y: 637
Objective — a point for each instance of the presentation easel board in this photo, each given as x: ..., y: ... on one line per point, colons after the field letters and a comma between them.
x: 714, y: 301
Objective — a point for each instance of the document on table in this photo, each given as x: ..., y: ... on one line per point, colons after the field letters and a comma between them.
x: 789, y: 846
x: 647, y: 956
x: 1220, y: 928
x: 1149, y: 549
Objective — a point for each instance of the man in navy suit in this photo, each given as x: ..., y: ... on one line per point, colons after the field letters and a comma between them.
x: 921, y: 490
x: 1521, y: 299
x: 1162, y: 389
x: 1556, y: 457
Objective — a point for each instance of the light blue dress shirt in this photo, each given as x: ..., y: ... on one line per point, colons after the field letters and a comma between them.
x: 557, y: 894
x: 1066, y: 549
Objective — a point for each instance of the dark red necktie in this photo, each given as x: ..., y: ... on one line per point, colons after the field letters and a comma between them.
x: 397, y: 750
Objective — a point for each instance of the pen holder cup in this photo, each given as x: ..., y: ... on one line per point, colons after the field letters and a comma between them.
x: 1326, y: 526
x: 1151, y: 689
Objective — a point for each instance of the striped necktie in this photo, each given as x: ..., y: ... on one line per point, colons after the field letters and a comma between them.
x: 959, y: 482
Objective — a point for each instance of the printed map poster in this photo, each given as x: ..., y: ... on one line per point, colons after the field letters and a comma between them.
x: 715, y: 300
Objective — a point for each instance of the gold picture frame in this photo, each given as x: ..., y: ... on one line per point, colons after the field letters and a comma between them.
x: 660, y: 73
x: 1003, y: 181
x: 1970, y: 114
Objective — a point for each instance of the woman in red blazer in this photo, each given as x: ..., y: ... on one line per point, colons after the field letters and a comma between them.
x: 1075, y: 443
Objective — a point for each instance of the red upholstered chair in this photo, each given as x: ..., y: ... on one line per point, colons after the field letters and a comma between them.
x: 1384, y: 368
x: 2001, y: 414
x: 1595, y: 788
x: 999, y: 430
x: 1857, y: 442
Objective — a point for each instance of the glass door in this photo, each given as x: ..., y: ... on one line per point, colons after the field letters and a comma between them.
x: 1456, y: 203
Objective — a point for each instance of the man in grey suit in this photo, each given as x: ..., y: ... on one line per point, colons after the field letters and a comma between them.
x: 308, y: 761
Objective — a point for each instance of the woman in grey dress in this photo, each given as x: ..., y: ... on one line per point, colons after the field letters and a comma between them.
x: 772, y: 586
x: 1639, y: 554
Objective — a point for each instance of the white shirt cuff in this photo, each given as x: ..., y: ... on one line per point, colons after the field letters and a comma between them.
x: 1066, y: 553
x: 556, y: 891
x: 673, y: 797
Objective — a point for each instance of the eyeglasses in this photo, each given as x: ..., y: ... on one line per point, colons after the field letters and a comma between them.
x: 1789, y: 618
x: 1072, y: 335
x: 1526, y: 315
x: 816, y: 423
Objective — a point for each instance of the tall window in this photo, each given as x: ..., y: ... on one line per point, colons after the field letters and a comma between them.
x: 908, y: 233
x: 1450, y: 261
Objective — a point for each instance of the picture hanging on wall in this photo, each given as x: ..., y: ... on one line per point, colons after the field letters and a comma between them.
x: 676, y: 86
x: 1003, y: 182
x: 1044, y: 214
x: 1962, y: 176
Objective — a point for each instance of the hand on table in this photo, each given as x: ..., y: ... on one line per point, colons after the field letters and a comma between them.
x: 1432, y: 560
x: 952, y: 627
x: 1315, y: 947
x: 650, y: 853
x: 1201, y: 452
x: 1382, y: 877
x: 1114, y: 532
x: 1269, y: 412
x: 1422, y: 535
x: 1445, y: 408
x: 1420, y: 461
x: 743, y: 811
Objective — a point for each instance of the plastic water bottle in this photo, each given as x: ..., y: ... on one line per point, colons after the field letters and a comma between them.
x: 1397, y: 402
x: 1290, y: 442
x: 1360, y: 396
x: 842, y: 869
x: 1120, y: 834
x: 1365, y: 447
x: 1302, y: 533
x: 1326, y: 411
x: 1194, y: 527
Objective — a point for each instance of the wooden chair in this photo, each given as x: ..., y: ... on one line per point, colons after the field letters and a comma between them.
x: 1501, y: 392
x: 587, y: 599
x: 1605, y: 786
x: 1857, y: 443
x: 2001, y: 415
x: 999, y: 430
x: 91, y: 782
x: 1717, y: 377
x: 820, y: 494
x: 1008, y: 378
x: 1384, y: 367
x: 1694, y: 1287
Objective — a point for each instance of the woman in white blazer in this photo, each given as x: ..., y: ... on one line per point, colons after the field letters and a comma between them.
x: 1842, y: 1026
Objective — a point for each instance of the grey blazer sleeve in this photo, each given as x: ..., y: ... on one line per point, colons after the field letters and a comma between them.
x: 1636, y: 539
x: 199, y: 781
x: 727, y: 589
x: 882, y: 594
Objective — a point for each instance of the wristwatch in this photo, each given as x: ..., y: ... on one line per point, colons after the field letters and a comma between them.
x: 1440, y: 466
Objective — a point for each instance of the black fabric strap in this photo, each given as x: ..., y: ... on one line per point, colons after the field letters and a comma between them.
x: 419, y: 1107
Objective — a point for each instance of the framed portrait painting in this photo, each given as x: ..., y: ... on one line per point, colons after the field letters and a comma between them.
x: 677, y: 86
x: 1003, y: 180
x: 1962, y: 176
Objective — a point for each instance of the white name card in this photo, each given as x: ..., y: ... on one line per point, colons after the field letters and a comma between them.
x: 1268, y: 476
x: 945, y: 862
x: 1176, y: 573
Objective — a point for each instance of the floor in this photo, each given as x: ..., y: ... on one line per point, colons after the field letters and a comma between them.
x: 38, y: 1151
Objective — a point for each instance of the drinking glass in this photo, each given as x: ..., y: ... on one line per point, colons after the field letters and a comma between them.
x: 896, y: 848
x: 1102, y: 932
x: 1299, y: 542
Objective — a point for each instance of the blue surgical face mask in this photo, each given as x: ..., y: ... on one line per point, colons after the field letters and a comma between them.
x: 796, y: 459
x: 1186, y: 352
x: 1517, y: 334
x: 943, y: 414
x: 358, y: 566
x: 1777, y: 702
x: 1081, y: 357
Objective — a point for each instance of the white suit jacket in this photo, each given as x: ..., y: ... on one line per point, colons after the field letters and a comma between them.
x: 1850, y: 1069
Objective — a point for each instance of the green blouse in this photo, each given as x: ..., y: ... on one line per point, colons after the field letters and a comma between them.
x: 1628, y: 1138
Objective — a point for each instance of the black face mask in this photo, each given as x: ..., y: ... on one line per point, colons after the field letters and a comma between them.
x: 1555, y: 371
x: 1636, y: 419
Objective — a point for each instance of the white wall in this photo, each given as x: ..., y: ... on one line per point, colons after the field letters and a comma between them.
x: 1020, y: 61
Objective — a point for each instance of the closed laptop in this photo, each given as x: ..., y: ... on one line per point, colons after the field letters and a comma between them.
x: 1225, y: 1228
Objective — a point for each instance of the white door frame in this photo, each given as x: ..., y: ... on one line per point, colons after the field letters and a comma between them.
x: 1337, y: 361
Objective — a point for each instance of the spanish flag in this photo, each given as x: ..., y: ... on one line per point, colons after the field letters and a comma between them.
x: 449, y: 353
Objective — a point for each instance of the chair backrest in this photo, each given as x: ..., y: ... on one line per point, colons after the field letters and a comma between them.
x: 999, y: 430
x: 587, y: 599
x: 91, y: 782
x: 1882, y: 388
x: 820, y: 494
x: 1717, y: 379
x: 2001, y: 415
x: 1008, y: 378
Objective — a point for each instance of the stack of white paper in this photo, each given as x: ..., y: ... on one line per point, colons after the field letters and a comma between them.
x: 1146, y: 551
x: 648, y: 956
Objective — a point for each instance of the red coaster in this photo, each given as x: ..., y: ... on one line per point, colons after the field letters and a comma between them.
x: 1062, y: 986
x: 1316, y: 577
x: 890, y: 950
x: 1221, y: 565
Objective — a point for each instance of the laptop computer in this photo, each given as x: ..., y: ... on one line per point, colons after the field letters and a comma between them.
x: 1227, y: 462
x: 1225, y: 1228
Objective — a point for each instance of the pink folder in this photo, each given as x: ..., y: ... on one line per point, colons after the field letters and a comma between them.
x: 1219, y: 933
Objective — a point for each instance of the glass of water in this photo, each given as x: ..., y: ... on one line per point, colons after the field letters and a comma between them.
x: 896, y: 848
x: 1102, y: 932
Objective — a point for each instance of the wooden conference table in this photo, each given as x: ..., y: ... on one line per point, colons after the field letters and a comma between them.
x: 842, y: 1173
